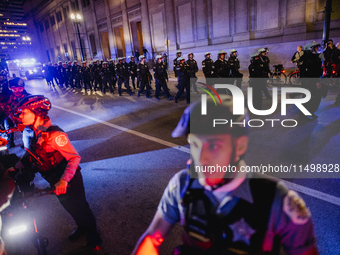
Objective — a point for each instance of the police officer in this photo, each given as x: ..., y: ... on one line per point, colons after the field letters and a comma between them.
x: 50, y: 74
x: 192, y: 70
x: 257, y: 81
x: 207, y: 68
x: 64, y: 75
x: 86, y: 76
x: 161, y: 75
x: 178, y: 54
x: 95, y: 73
x: 56, y: 74
x: 70, y: 75
x: 144, y: 76
x: 183, y: 80
x: 60, y: 76
x: 106, y: 77
x: 225, y: 212
x: 234, y: 65
x: 265, y: 61
x: 122, y: 76
x: 133, y: 71
x: 76, y: 73
x: 112, y: 68
x: 58, y: 162
x: 310, y: 72
x: 221, y: 68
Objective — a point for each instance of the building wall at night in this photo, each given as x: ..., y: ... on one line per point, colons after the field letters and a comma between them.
x: 13, y: 31
x: 115, y: 28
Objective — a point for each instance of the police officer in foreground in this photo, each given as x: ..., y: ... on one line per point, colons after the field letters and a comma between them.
x: 95, y: 73
x: 161, y: 75
x: 144, y: 76
x: 178, y: 55
x: 192, y: 70
x: 234, y: 65
x: 225, y: 212
x: 58, y: 162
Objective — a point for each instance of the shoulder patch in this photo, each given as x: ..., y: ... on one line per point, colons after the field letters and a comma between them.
x: 295, y: 208
x: 61, y: 140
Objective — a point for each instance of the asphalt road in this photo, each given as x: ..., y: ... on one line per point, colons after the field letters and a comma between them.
x: 128, y: 157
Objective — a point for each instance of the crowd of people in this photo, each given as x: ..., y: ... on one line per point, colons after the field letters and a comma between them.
x: 238, y: 230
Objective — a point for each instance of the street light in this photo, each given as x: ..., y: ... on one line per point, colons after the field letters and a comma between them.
x: 76, y: 20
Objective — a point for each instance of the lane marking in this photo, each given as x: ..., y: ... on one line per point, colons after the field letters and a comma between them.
x: 133, y: 132
x: 308, y: 191
x: 312, y: 192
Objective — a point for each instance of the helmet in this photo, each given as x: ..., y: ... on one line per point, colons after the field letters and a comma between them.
x: 37, y: 104
x: 159, y: 56
x: 221, y: 52
x: 141, y: 57
x: 313, y: 44
x: 190, y: 53
x: 180, y: 58
x: 69, y: 62
x: 207, y: 53
x: 104, y: 63
x: 254, y: 55
x: 261, y: 50
x: 60, y: 62
x: 192, y: 121
x: 232, y: 51
x: 101, y: 60
x: 123, y: 58
x: 179, y: 51
x: 16, y: 82
x: 132, y: 56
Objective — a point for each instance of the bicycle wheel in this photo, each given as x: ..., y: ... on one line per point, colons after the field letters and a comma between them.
x: 277, y: 79
x: 294, y: 79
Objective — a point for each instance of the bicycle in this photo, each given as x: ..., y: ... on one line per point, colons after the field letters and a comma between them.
x: 277, y: 78
x: 19, y: 221
x: 294, y: 78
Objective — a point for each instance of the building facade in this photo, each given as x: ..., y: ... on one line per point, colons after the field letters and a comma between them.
x: 116, y: 28
x: 14, y: 39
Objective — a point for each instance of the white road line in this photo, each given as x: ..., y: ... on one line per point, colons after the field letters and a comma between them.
x: 148, y: 137
x: 308, y: 191
x: 314, y: 193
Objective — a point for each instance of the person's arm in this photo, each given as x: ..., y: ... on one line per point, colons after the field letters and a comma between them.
x: 152, y: 238
x: 61, y: 143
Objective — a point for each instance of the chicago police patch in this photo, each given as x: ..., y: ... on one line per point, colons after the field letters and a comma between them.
x: 295, y: 208
x: 61, y: 140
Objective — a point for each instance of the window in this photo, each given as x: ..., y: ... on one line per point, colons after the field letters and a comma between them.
x: 66, y: 12
x: 52, y: 20
x: 59, y: 17
x: 86, y: 3
x: 47, y: 25
x: 41, y: 27
x: 93, y: 45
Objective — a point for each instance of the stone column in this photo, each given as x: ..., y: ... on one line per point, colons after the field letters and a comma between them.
x: 126, y: 30
x: 96, y: 32
x: 170, y: 23
x: 146, y: 27
x: 112, y: 39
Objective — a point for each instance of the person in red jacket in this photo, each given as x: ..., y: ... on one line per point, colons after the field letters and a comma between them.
x: 52, y: 154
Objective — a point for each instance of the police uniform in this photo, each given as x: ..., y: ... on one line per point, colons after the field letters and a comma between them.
x: 95, y: 73
x: 265, y: 61
x: 245, y: 216
x: 76, y: 73
x: 144, y: 76
x: 60, y: 76
x: 122, y: 76
x: 113, y: 73
x: 50, y: 74
x: 183, y: 81
x: 192, y: 70
x: 207, y: 68
x: 86, y: 75
x: 106, y: 78
x: 70, y: 75
x: 133, y: 73
x: 161, y: 76
x: 53, y: 148
x: 234, y: 65
x: 257, y: 81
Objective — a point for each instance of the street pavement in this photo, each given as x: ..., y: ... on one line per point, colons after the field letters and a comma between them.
x: 129, y: 156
